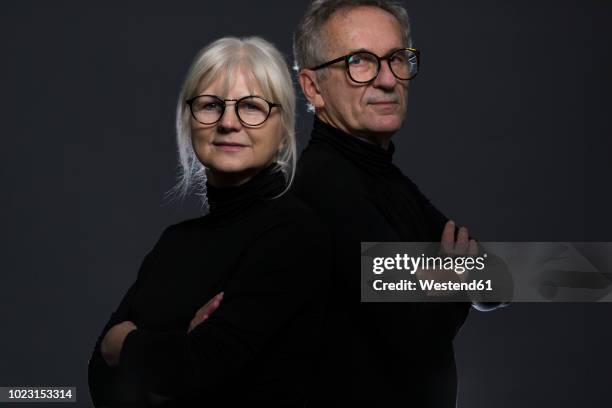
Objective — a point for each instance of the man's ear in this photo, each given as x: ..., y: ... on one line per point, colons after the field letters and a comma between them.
x: 310, y: 87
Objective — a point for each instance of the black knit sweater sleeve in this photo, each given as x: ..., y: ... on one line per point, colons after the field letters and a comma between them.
x: 276, y: 278
x: 112, y: 386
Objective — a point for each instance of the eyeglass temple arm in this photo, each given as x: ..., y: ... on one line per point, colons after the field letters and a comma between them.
x: 329, y: 63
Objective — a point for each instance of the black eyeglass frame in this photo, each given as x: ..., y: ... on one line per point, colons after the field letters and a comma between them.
x: 224, y: 105
x: 387, y: 57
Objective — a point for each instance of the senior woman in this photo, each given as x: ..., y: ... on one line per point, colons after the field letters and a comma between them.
x: 259, y: 254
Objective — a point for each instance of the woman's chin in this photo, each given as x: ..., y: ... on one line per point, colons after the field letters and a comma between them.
x: 228, y: 174
x: 227, y: 165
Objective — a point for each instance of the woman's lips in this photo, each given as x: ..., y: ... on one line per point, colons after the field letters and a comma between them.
x: 229, y: 146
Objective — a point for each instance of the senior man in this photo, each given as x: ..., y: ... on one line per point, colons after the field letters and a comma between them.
x: 355, y: 61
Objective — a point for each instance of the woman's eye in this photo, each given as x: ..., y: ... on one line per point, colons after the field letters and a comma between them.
x: 210, y: 106
x: 251, y: 106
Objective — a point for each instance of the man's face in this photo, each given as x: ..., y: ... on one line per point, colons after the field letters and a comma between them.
x: 373, y: 110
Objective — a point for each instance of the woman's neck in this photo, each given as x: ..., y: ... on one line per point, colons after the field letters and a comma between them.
x: 222, y: 179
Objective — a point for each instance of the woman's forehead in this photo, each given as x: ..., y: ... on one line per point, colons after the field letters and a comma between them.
x: 239, y: 80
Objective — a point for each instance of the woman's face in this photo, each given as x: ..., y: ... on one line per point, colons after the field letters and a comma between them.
x: 232, y: 151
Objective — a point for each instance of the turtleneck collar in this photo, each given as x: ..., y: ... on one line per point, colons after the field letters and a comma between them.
x: 369, y: 156
x: 231, y: 202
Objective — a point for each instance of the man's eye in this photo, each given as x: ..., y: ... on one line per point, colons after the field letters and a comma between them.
x: 398, y: 59
x: 356, y: 60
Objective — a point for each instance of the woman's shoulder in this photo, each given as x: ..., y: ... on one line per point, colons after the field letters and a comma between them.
x: 184, y: 225
x: 173, y: 235
x: 287, y: 210
x: 286, y: 215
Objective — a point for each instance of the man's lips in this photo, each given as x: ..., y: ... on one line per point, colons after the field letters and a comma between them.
x: 385, y: 107
x: 384, y: 103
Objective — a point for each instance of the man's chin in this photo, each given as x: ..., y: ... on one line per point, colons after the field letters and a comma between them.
x: 387, y: 124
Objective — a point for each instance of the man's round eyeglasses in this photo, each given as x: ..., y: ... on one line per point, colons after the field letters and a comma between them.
x: 251, y: 110
x: 364, y: 66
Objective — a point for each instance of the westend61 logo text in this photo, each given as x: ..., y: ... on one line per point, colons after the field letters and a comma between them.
x: 459, y: 264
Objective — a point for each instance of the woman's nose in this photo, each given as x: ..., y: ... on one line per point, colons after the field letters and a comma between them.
x: 230, y: 121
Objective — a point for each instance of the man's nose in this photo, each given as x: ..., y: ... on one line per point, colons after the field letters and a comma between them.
x: 385, y: 78
x: 230, y: 122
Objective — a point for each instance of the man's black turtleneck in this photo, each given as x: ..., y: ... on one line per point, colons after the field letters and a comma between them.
x: 386, y: 354
x: 271, y: 258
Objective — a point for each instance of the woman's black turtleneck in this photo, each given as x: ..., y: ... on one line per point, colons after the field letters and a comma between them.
x: 378, y: 353
x: 270, y: 256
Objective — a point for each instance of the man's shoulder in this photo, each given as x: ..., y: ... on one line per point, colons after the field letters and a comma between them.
x: 323, y: 171
x: 291, y: 207
x: 293, y: 219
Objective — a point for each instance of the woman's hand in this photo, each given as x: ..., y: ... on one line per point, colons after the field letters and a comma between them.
x: 113, y: 342
x: 205, y: 311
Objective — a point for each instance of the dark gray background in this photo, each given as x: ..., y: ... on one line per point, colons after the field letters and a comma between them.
x: 507, y: 133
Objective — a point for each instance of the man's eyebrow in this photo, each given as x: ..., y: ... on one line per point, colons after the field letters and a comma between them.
x: 391, y: 50
x: 359, y: 50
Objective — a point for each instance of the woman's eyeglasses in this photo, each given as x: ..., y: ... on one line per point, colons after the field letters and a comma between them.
x: 251, y: 110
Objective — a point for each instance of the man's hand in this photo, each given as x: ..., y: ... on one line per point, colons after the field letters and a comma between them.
x: 205, y: 311
x: 463, y: 244
x: 112, y: 343
x: 449, y: 247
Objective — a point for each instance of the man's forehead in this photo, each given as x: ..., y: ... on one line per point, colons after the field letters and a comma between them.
x: 363, y: 28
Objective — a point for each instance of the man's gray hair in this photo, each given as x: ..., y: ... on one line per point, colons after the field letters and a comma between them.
x: 309, y: 46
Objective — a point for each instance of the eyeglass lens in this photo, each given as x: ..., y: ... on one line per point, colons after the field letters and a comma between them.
x: 364, y: 66
x: 251, y: 111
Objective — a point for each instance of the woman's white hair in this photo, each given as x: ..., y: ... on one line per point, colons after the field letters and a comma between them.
x: 226, y: 58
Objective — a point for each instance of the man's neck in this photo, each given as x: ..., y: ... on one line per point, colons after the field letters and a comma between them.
x: 380, y: 139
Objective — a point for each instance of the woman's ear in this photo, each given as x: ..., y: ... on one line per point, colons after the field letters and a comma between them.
x: 282, y: 144
x: 310, y: 87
